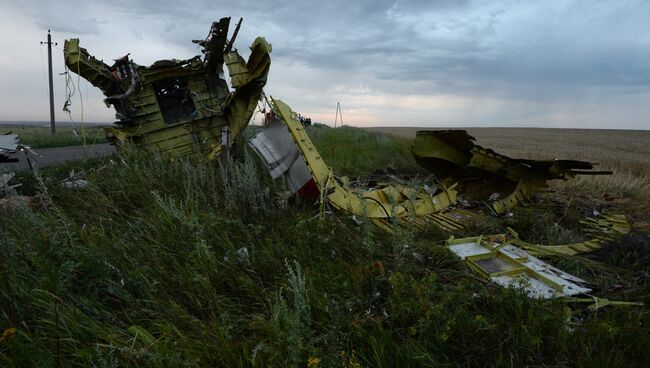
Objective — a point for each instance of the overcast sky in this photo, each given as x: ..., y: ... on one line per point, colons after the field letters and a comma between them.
x: 582, y: 64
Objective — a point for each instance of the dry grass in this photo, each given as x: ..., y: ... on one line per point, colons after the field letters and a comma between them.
x: 625, y: 152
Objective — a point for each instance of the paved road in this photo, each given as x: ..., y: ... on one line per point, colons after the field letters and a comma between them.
x: 53, y: 156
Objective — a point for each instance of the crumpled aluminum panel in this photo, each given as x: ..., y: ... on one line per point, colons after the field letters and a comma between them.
x: 275, y: 146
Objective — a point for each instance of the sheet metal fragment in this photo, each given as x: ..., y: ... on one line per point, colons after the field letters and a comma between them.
x: 282, y: 156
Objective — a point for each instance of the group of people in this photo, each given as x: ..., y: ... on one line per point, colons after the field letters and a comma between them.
x: 304, y: 120
x: 268, y: 117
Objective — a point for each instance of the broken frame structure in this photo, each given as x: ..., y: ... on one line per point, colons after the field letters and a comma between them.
x: 179, y: 107
x: 454, y: 158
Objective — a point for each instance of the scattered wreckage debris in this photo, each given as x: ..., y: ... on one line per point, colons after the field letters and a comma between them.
x: 291, y: 154
x: 184, y: 107
x: 74, y: 180
x: 9, y: 145
x: 497, y: 258
x: 482, y: 173
x: 179, y: 107
x: 288, y: 152
x: 597, y: 303
x: 509, y: 261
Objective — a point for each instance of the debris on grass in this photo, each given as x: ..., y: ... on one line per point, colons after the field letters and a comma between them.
x: 502, y: 259
x: 483, y: 174
x: 287, y: 150
x: 74, y: 181
x: 188, y: 255
x: 497, y: 259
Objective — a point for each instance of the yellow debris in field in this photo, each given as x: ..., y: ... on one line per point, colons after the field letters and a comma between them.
x: 391, y: 203
x: 7, y: 334
x: 313, y: 362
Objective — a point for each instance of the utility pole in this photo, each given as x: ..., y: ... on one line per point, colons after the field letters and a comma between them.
x: 49, y: 64
x: 338, y: 113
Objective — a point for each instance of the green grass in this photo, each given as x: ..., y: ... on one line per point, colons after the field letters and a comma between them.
x: 182, y: 263
x: 41, y: 137
x: 351, y: 151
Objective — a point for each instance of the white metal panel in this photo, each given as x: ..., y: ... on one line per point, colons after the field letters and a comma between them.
x: 534, y: 286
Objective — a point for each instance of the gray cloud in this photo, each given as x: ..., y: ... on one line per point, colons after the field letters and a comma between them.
x: 510, y: 50
x: 440, y: 41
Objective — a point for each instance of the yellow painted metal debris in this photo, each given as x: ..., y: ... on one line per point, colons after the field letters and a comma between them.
x: 453, y: 157
x: 601, y: 229
x: 387, y: 206
x: 179, y: 107
x: 509, y: 261
x: 597, y: 303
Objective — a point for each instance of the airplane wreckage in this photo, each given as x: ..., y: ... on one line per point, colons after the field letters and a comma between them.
x: 179, y: 106
x: 185, y: 107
